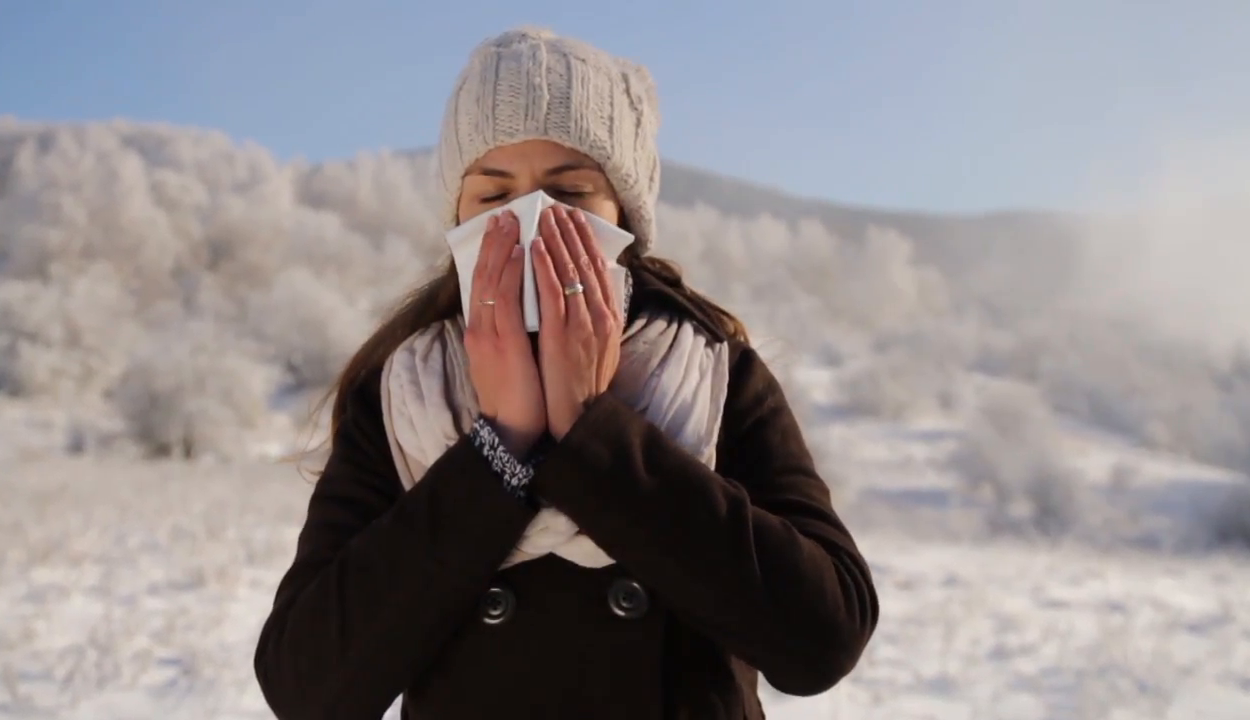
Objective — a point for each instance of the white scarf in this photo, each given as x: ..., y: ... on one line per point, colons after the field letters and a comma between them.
x: 670, y: 372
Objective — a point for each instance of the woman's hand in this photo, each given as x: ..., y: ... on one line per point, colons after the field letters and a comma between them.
x: 579, y: 340
x: 501, y: 358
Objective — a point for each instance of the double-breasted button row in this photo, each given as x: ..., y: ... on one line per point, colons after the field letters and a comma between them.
x: 627, y: 599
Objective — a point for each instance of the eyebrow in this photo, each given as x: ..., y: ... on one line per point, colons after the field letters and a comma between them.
x: 551, y: 172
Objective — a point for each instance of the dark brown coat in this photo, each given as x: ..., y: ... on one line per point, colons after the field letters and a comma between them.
x: 720, y: 575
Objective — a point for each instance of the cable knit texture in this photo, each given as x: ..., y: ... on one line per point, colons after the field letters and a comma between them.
x: 529, y: 84
x: 670, y: 372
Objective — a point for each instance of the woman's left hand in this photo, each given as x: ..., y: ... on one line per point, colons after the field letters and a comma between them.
x: 579, y: 337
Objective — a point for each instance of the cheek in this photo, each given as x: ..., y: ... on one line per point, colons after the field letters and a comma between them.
x: 467, y: 210
x: 604, y: 208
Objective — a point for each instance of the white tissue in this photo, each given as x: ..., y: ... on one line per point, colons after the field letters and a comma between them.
x: 465, y: 241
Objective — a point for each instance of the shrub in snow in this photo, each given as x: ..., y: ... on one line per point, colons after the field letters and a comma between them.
x: 1011, y: 459
x: 186, y: 395
x: 889, y: 387
x: 308, y: 328
x: 110, y: 232
x: 376, y: 193
x: 880, y: 286
x: 1117, y: 376
x: 66, y: 336
x: 898, y: 385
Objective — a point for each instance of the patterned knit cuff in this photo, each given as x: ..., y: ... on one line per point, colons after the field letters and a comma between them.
x: 516, y: 475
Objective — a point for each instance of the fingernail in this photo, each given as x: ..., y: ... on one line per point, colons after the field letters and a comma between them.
x: 492, y: 223
x: 516, y: 251
x: 539, y: 245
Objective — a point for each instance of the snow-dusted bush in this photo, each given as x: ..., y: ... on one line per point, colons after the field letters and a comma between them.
x: 907, y: 375
x: 112, y: 233
x: 1012, y: 458
x: 895, y: 386
x: 190, y: 393
x: 66, y: 336
x: 1117, y: 376
x: 878, y: 284
x: 796, y: 279
x: 310, y: 330
x: 377, y: 193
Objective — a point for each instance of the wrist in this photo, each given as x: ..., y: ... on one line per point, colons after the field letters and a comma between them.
x: 564, y: 425
x: 516, y: 442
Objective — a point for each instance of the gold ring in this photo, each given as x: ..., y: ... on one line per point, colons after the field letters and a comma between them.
x: 487, y: 303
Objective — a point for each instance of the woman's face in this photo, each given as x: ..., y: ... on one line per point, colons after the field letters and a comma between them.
x: 511, y: 171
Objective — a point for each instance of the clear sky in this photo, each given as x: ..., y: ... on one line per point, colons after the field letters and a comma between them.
x: 936, y: 104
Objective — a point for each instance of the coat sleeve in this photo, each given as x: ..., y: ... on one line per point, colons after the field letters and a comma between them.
x: 381, y: 577
x: 757, y: 561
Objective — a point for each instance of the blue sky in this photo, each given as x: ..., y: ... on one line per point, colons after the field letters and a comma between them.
x: 959, y: 105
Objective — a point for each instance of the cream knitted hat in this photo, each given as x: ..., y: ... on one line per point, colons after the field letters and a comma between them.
x: 530, y: 84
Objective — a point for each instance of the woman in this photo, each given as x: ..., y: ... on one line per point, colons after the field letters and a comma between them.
x: 495, y: 534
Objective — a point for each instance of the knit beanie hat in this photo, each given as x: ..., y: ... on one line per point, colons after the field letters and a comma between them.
x: 529, y: 84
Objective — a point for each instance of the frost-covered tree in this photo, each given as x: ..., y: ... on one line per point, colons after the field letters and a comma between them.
x: 187, y: 393
x: 1012, y: 458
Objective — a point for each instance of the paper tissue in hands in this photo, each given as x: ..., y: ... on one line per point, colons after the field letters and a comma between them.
x: 465, y: 241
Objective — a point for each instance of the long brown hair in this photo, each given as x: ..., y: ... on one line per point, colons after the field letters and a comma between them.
x: 439, y: 299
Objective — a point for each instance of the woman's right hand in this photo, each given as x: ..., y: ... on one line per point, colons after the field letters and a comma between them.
x: 501, y: 359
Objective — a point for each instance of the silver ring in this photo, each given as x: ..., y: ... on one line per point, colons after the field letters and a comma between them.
x: 487, y: 303
x: 574, y: 289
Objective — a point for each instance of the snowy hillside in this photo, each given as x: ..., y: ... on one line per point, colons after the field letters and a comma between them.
x: 1059, y: 440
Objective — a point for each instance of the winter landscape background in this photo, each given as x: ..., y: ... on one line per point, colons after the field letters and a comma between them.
x: 1038, y: 426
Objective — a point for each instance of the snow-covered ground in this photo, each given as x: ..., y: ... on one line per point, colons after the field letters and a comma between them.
x: 135, y: 590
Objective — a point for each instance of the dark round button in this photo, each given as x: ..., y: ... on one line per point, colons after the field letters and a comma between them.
x: 498, y: 605
x: 628, y: 599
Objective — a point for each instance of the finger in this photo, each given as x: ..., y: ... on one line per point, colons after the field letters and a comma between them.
x: 509, y: 320
x: 597, y: 263
x: 550, y: 291
x: 507, y: 235
x: 576, y: 239
x: 557, y: 247
x: 477, y: 292
x: 496, y: 247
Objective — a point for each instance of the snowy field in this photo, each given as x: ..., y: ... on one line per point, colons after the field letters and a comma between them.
x: 135, y: 590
